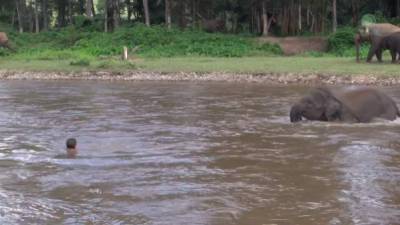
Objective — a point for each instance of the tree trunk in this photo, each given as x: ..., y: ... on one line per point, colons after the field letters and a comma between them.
x: 285, y: 21
x: 106, y: 16
x: 37, y: 16
x: 168, y: 13
x: 70, y: 12
x: 19, y: 15
x: 13, y: 19
x: 45, y: 15
x: 93, y: 11
x: 129, y: 9
x: 334, y: 22
x: 89, y: 7
x: 292, y: 23
x: 300, y: 18
x: 30, y: 17
x: 355, y: 12
x: 264, y: 18
x: 146, y: 12
x: 398, y: 8
x: 116, y: 12
x: 323, y: 16
x: 194, y: 13
x: 183, y: 11
x: 312, y: 26
x: 257, y: 22
x: 61, y: 13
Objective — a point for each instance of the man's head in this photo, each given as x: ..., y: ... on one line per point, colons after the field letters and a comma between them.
x: 71, y: 148
x: 71, y: 143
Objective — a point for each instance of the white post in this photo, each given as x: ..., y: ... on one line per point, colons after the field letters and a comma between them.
x: 125, y: 53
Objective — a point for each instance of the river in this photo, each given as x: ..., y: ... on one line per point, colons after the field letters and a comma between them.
x: 189, y: 153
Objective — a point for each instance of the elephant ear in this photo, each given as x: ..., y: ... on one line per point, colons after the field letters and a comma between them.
x: 332, y: 106
x: 333, y: 109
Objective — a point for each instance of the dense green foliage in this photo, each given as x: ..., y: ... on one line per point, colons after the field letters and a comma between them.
x: 155, y: 41
x: 341, y: 43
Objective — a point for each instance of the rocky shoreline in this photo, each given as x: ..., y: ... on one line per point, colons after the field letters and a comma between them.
x: 269, y: 78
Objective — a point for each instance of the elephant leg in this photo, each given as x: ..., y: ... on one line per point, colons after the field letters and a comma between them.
x: 397, y: 55
x: 371, y: 53
x: 373, y: 50
x: 379, y: 55
x: 397, y: 58
x: 394, y: 55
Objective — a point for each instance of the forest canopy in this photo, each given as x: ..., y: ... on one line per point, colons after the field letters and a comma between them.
x: 277, y: 17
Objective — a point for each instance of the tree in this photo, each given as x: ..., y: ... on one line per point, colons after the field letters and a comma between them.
x: 264, y: 18
x: 106, y: 4
x: 129, y: 9
x: 37, y: 28
x: 355, y: 8
x: 146, y: 12
x: 19, y: 7
x: 115, y: 13
x: 168, y: 13
x: 334, y: 15
x: 45, y: 15
x: 89, y: 9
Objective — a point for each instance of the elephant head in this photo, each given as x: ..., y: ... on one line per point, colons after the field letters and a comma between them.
x: 4, y: 41
x: 372, y: 33
x: 320, y: 105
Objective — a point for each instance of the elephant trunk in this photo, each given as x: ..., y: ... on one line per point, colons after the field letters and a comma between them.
x: 295, y: 113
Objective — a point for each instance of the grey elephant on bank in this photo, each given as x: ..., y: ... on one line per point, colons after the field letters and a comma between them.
x: 373, y: 33
x: 359, y: 105
x: 391, y: 43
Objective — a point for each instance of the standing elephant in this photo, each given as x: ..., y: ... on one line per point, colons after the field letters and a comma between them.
x: 359, y: 105
x: 391, y: 43
x: 373, y: 33
x: 4, y: 41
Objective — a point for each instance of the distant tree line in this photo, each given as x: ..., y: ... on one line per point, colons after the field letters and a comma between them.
x: 282, y: 17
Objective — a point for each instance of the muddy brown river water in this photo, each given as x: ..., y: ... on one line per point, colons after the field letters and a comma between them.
x: 189, y: 153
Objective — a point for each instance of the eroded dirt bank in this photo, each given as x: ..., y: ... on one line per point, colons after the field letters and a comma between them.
x: 273, y: 78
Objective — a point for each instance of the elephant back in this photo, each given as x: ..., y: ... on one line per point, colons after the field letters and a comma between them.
x: 382, y: 29
x: 367, y: 103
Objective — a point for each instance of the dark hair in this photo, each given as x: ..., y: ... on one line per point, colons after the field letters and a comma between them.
x: 71, y: 143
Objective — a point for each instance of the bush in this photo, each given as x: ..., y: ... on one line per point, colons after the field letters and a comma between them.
x: 272, y: 48
x: 80, y: 62
x: 157, y: 41
x: 340, y: 42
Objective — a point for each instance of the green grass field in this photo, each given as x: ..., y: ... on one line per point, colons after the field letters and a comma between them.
x: 323, y: 65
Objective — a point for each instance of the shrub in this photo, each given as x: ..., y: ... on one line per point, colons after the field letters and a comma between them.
x: 272, y: 48
x: 80, y: 62
x: 157, y: 41
x: 340, y: 42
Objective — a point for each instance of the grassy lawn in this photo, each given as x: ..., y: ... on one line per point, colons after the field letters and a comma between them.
x: 329, y: 65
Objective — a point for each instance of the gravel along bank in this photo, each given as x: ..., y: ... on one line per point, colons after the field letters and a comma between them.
x: 273, y: 78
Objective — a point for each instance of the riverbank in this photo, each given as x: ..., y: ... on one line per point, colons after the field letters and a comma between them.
x: 283, y: 70
x: 269, y: 78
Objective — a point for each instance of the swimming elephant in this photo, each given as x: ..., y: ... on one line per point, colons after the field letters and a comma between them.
x: 373, y: 33
x: 4, y: 41
x: 359, y: 105
x: 391, y: 43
